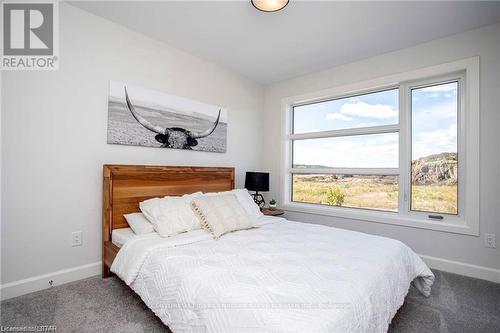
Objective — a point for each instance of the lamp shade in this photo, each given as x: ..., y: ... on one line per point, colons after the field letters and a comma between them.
x: 257, y: 181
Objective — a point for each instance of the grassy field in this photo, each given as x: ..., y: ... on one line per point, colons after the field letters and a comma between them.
x: 435, y: 198
x: 373, y: 192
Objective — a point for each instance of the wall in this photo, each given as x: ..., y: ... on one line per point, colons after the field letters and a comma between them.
x: 54, y: 138
x: 447, y: 247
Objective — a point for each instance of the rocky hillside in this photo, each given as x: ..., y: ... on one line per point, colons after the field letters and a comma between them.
x: 435, y: 169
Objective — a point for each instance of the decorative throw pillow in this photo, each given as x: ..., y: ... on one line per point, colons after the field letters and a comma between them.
x: 171, y: 215
x: 245, y: 200
x: 220, y: 214
x: 139, y: 223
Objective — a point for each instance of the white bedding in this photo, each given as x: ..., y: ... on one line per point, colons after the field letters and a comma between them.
x: 283, y: 276
x: 121, y: 236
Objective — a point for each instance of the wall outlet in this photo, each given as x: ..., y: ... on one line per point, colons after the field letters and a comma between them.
x: 490, y: 241
x: 76, y: 238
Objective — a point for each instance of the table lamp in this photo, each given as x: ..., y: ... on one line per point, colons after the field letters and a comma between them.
x: 257, y: 181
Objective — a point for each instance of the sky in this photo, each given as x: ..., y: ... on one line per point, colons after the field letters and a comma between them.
x: 434, y: 120
x: 434, y: 128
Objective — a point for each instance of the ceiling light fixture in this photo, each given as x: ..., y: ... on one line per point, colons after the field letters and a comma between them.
x: 269, y: 5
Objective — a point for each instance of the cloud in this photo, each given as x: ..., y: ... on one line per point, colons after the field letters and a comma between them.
x: 449, y: 87
x: 365, y: 110
x: 448, y: 90
x: 366, y: 124
x: 437, y: 111
x: 444, y: 136
x: 337, y: 116
x: 435, y: 142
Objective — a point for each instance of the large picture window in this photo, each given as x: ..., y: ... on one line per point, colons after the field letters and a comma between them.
x: 349, y: 158
x: 393, y: 152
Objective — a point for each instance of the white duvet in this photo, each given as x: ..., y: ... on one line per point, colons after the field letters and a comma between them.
x: 281, y: 277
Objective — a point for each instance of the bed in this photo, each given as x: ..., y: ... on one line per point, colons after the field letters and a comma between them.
x: 281, y: 276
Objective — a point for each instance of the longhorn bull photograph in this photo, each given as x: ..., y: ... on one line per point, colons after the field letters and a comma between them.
x: 143, y: 117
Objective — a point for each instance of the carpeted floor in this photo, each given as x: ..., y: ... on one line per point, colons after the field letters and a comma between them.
x: 457, y: 304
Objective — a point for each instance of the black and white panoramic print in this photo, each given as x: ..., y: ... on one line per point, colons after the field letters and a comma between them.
x: 144, y: 117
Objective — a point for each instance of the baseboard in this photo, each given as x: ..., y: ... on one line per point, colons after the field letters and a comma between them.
x: 25, y: 286
x: 21, y: 287
x: 461, y: 268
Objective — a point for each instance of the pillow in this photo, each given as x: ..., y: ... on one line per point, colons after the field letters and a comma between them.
x: 220, y: 214
x: 139, y: 223
x: 171, y: 215
x: 247, y: 202
x: 245, y: 199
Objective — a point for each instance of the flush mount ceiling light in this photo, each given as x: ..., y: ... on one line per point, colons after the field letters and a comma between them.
x: 269, y: 5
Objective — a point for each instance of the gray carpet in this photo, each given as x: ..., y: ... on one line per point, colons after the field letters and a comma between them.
x: 457, y: 304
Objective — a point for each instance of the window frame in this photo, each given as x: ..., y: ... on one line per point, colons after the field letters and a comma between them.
x: 465, y: 71
x: 407, y: 154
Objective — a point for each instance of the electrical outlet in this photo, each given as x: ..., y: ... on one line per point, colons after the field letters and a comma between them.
x: 490, y: 241
x: 76, y: 238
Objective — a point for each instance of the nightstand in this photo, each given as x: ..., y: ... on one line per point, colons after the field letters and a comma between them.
x: 272, y: 212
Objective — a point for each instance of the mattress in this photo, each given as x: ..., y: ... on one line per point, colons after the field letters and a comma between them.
x: 120, y: 236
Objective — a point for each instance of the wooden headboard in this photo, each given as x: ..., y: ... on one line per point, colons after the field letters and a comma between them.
x: 127, y: 185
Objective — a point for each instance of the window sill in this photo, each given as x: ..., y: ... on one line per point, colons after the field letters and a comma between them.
x: 459, y: 227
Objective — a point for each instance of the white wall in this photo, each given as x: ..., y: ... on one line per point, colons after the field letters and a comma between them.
x: 53, y: 132
x: 54, y: 137
x: 484, y: 42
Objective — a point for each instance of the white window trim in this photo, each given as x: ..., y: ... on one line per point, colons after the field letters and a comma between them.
x: 468, y: 221
x: 405, y: 142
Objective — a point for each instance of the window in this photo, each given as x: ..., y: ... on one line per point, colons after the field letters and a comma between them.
x: 434, y: 147
x: 388, y: 152
x: 347, y: 153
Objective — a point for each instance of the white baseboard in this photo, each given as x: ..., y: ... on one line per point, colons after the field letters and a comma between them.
x: 21, y: 287
x: 25, y: 286
x: 461, y: 268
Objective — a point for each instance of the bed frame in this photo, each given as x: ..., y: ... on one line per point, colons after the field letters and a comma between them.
x: 124, y: 186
